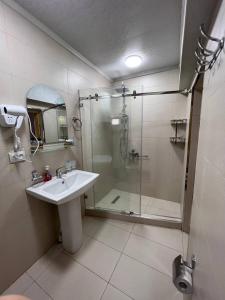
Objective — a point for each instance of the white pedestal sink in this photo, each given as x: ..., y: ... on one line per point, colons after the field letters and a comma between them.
x: 71, y: 225
x: 65, y: 192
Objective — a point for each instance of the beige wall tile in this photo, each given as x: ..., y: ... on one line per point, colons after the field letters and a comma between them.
x: 28, y: 56
x: 4, y: 53
x: 207, y: 240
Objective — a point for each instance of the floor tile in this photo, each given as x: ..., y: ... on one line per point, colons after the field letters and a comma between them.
x: 34, y: 292
x: 141, y: 282
x: 127, y: 201
x: 122, y: 204
x: 169, y: 237
x: 142, y: 273
x: 128, y: 226
x: 112, y: 293
x: 131, y: 202
x: 112, y: 236
x: 91, y: 225
x: 40, y: 265
x: 20, y: 285
x: 98, y: 258
x: 151, y: 253
x: 162, y: 212
x: 145, y: 201
x: 163, y: 208
x: 65, y: 279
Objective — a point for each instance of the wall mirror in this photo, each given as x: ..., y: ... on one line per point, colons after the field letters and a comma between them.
x: 47, y: 111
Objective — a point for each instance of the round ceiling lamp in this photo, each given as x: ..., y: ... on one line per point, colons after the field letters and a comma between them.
x: 133, y: 61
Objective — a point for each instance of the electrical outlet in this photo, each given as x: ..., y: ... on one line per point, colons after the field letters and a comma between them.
x: 18, y: 156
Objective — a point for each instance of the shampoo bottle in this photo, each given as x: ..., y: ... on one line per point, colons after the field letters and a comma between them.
x: 47, y: 175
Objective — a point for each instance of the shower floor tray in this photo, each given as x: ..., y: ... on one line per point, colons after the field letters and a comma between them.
x: 130, y: 202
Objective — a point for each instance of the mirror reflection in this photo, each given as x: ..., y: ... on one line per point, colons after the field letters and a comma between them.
x: 47, y: 111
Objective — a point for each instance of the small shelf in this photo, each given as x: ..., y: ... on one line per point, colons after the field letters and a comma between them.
x: 176, y: 140
x: 178, y: 122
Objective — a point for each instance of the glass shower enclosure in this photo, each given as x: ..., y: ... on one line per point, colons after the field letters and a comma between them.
x: 112, y: 147
x: 138, y: 145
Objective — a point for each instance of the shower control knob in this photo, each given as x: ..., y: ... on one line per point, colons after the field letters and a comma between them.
x: 133, y: 154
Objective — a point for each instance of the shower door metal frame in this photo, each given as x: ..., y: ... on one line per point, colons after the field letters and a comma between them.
x: 136, y: 218
x: 135, y: 94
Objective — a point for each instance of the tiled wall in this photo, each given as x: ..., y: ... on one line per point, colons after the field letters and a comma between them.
x: 29, y: 57
x: 162, y: 174
x: 207, y: 238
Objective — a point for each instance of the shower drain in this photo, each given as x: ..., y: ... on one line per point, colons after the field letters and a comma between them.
x: 115, y: 200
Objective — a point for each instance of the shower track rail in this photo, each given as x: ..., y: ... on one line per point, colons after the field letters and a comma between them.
x: 153, y: 220
x: 135, y: 94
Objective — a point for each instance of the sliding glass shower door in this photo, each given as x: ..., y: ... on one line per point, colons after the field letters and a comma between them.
x: 142, y: 170
x: 116, y: 141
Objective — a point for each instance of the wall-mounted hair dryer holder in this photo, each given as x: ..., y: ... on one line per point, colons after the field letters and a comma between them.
x: 7, y: 120
x: 12, y: 115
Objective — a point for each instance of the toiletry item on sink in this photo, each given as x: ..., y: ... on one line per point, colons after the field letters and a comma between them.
x: 47, y: 175
x: 70, y: 165
x: 73, y: 164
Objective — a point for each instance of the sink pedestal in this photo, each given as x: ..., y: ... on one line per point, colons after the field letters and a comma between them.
x: 71, y: 225
x: 65, y: 193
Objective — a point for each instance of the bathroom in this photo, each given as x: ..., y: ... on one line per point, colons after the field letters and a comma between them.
x: 112, y: 149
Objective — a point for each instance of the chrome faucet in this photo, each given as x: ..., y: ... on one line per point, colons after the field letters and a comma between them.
x: 36, y: 177
x: 60, y: 171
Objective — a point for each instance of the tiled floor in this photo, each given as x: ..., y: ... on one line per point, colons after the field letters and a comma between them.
x: 117, y: 261
x: 130, y: 202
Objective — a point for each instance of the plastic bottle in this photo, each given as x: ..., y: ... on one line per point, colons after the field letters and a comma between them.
x: 47, y: 175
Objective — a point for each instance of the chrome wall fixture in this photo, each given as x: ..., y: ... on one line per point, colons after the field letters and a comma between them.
x: 206, y: 58
x: 77, y: 124
x: 183, y: 274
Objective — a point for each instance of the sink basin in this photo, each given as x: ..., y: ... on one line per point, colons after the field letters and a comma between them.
x: 62, y: 190
x: 65, y: 193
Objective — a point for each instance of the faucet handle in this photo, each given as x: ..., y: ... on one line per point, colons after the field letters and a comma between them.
x: 60, y: 171
x: 35, y: 175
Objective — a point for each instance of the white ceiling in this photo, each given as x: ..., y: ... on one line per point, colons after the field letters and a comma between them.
x: 107, y: 31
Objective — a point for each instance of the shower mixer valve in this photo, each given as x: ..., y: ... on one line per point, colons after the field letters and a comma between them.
x: 133, y: 154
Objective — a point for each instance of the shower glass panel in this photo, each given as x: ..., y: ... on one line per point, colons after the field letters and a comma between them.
x: 139, y: 148
x: 116, y: 143
x: 164, y: 142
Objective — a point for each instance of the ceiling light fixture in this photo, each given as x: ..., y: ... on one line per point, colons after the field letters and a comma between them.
x: 133, y: 61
